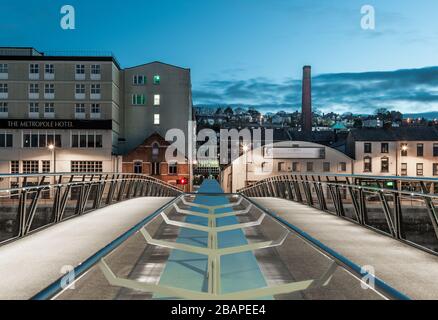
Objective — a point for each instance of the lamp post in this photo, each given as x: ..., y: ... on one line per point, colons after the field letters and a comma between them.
x: 53, y: 149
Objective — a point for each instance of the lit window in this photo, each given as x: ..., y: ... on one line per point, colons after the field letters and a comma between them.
x: 156, y: 79
x: 156, y: 100
x: 156, y: 118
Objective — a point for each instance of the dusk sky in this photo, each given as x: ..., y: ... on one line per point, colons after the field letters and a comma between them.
x: 252, y: 51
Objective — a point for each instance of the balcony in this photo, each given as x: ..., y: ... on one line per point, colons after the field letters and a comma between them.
x: 49, y: 76
x: 79, y: 115
x: 49, y: 115
x: 80, y: 76
x: 4, y: 95
x: 4, y: 114
x: 34, y: 115
x: 34, y: 95
x: 4, y: 76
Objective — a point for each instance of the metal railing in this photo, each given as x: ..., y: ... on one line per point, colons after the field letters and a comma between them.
x: 29, y: 202
x: 404, y: 208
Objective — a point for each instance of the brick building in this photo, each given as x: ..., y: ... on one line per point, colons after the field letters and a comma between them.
x: 149, y: 158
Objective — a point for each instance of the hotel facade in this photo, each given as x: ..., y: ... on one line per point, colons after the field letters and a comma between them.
x: 83, y: 113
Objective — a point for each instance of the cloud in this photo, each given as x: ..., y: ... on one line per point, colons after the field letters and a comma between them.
x: 404, y: 90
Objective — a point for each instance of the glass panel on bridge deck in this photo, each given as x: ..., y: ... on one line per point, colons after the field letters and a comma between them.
x: 416, y: 224
x: 329, y: 199
x: 292, y: 260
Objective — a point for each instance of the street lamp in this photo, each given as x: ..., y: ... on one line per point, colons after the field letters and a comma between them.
x: 53, y: 149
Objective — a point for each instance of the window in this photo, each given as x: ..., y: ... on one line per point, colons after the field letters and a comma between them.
x: 86, y: 166
x: 326, y: 166
x: 95, y: 108
x: 34, y: 90
x: 3, y: 68
x: 385, y: 147
x: 49, y: 69
x: 295, y: 166
x: 404, y: 149
x: 49, y: 107
x: 41, y: 140
x: 34, y: 107
x: 342, y: 166
x: 3, y: 88
x: 156, y: 118
x: 5, y: 140
x: 30, y: 166
x: 404, y: 169
x: 156, y: 79
x: 367, y: 147
x: 435, y: 149
x: 155, y: 150
x: 367, y: 167
x: 281, y: 167
x: 309, y: 166
x: 95, y: 89
x: 138, y: 167
x: 266, y: 167
x: 15, y: 166
x: 173, y: 168
x: 80, y: 89
x: 86, y: 140
x: 4, y: 107
x: 420, y: 150
x: 155, y: 168
x: 435, y: 169
x: 80, y: 69
x: 419, y: 169
x: 138, y: 99
x: 384, y: 164
x: 45, y: 166
x: 139, y: 80
x: 34, y: 68
x: 49, y: 88
x: 80, y: 108
x: 95, y: 69
x: 156, y: 100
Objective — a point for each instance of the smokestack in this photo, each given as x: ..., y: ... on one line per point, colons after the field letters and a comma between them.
x: 306, y: 107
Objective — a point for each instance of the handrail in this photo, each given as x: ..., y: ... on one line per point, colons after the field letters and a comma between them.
x: 55, y: 197
x: 366, y: 200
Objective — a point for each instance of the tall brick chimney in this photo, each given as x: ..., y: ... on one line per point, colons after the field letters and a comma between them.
x: 306, y: 106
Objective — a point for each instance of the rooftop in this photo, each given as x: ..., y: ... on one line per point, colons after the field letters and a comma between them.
x: 420, y: 133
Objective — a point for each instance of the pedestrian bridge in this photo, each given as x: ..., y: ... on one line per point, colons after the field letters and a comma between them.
x: 116, y: 236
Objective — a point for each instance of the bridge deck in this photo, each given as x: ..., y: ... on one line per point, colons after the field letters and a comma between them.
x: 32, y: 263
x: 405, y: 268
